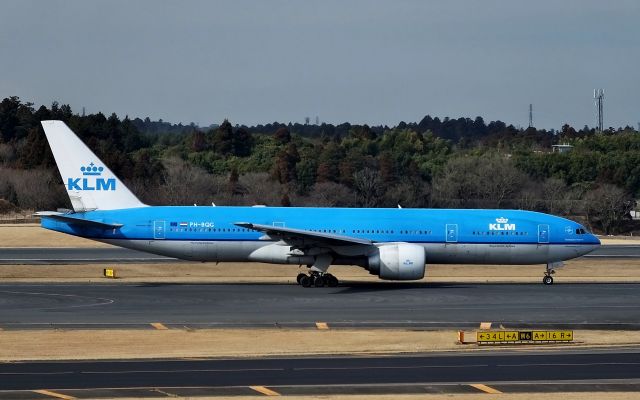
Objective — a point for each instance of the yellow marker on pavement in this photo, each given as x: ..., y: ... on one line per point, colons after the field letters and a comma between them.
x: 54, y: 394
x: 159, y: 326
x: 485, y: 388
x: 109, y: 273
x: 264, y: 390
x: 323, y: 326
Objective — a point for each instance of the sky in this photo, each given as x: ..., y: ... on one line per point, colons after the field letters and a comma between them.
x: 374, y: 62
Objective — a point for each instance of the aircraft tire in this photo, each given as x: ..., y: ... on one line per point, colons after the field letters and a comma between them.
x: 547, y: 280
x: 299, y: 277
x: 305, y: 281
x: 319, y: 281
x: 332, y: 281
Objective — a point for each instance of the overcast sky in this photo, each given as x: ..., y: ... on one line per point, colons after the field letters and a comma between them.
x: 375, y: 62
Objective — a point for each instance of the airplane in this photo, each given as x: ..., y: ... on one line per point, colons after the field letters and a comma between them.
x: 392, y: 243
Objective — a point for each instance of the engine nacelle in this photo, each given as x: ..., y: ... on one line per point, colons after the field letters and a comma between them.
x: 398, y: 262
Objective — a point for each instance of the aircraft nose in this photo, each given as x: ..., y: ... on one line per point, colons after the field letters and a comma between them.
x: 593, y: 245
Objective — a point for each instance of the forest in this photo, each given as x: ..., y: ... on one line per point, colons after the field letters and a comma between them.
x: 442, y: 163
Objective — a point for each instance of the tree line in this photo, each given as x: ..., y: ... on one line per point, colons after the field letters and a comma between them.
x: 445, y: 163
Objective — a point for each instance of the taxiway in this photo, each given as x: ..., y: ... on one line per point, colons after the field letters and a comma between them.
x: 377, y: 304
x: 499, y: 372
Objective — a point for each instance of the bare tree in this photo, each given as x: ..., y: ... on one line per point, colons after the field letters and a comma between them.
x: 259, y: 188
x: 185, y: 184
x: 479, y: 182
x: 554, y: 193
x: 33, y: 189
x: 369, y: 187
x: 327, y: 194
x: 7, y: 153
x: 499, y: 180
x: 607, y: 207
x: 408, y: 194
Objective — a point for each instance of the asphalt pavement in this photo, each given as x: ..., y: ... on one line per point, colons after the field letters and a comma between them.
x: 375, y: 304
x: 454, y: 373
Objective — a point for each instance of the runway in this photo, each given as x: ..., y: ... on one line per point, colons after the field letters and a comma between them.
x: 80, y: 255
x: 379, y: 304
x: 446, y: 373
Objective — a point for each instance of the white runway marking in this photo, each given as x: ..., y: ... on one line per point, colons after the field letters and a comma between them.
x: 102, y: 301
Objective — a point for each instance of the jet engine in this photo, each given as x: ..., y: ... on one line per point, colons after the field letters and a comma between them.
x: 398, y: 262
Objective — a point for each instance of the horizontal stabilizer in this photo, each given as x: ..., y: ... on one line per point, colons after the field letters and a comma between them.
x: 67, y: 218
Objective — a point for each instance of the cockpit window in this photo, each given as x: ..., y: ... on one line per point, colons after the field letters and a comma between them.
x: 581, y: 231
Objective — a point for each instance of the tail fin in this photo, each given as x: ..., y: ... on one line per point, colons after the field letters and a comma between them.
x: 89, y: 183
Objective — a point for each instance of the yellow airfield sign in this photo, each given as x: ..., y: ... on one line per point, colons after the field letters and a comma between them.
x: 523, y: 336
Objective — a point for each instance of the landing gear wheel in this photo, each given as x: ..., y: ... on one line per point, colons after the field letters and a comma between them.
x: 305, y: 280
x: 299, y: 277
x: 332, y: 281
x: 318, y: 281
x: 547, y: 280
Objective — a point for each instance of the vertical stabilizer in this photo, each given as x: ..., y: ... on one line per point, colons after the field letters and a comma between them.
x: 90, y: 184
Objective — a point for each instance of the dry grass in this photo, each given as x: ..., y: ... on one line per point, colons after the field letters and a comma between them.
x: 32, y: 235
x: 189, y: 343
x: 581, y: 270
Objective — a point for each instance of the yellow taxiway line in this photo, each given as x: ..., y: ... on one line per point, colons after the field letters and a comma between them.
x: 485, y: 388
x: 54, y: 394
x: 264, y: 390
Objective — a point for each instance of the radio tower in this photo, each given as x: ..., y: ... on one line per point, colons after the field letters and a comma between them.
x: 598, y: 96
x: 530, y: 115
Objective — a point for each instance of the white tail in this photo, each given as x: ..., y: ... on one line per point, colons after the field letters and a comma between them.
x: 90, y: 184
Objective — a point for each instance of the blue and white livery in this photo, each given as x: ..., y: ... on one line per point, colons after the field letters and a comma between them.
x: 394, y: 244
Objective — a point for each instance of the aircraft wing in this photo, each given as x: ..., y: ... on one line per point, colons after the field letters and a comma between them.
x: 290, y: 235
x: 77, y: 221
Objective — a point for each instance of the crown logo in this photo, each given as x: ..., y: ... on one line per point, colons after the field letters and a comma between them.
x: 502, y: 220
x: 91, y: 169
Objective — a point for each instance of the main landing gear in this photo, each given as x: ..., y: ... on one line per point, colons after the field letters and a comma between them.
x: 317, y: 279
x: 318, y: 275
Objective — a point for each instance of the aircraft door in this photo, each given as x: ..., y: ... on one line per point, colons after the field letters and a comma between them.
x: 543, y: 233
x: 158, y: 229
x: 452, y: 233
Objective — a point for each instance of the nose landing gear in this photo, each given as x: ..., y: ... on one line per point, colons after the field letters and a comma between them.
x: 548, y: 279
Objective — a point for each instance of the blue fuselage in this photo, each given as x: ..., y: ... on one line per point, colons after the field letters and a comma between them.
x: 449, y: 236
